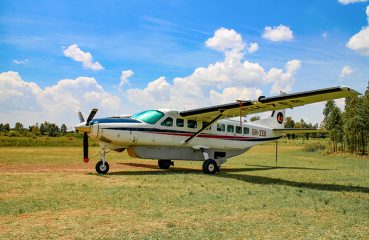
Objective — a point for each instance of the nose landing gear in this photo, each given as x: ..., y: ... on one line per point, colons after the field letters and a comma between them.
x: 102, y: 167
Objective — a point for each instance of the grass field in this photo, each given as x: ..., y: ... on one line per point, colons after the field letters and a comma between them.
x: 48, y: 192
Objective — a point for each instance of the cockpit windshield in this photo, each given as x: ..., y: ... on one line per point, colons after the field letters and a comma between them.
x: 149, y: 116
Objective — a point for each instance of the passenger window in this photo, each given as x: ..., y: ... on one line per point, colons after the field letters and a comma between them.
x: 230, y: 128
x: 220, y: 127
x: 168, y: 122
x: 246, y: 130
x: 206, y: 123
x: 238, y: 129
x: 179, y: 122
x: 192, y: 124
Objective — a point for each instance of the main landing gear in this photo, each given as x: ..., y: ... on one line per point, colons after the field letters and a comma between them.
x: 165, y: 164
x: 210, y: 166
x: 102, y: 167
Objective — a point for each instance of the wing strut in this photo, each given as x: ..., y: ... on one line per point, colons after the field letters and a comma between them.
x: 204, y: 127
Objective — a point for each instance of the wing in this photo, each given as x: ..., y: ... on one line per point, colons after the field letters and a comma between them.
x: 267, y: 103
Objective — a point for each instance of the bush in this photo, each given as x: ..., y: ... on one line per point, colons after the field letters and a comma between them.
x: 13, y: 134
x: 315, y: 147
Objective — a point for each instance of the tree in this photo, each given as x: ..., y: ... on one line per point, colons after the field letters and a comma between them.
x: 63, y: 128
x: 6, y: 127
x: 35, y: 130
x: 333, y: 123
x: 50, y: 129
x: 327, y: 110
x: 18, y: 127
x: 53, y: 130
x: 290, y: 123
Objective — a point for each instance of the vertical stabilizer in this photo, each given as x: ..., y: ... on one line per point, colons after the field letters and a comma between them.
x: 276, y: 120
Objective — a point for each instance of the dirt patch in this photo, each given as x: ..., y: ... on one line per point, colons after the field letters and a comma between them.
x: 77, y: 167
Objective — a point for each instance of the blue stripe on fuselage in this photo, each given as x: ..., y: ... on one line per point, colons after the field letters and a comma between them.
x: 114, y: 120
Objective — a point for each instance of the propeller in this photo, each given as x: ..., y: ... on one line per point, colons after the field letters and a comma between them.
x: 83, y: 128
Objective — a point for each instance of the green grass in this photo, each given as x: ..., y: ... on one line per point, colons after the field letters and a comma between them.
x: 51, y: 193
x: 69, y: 140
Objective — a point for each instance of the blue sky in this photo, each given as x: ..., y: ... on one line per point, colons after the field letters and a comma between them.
x: 156, y: 42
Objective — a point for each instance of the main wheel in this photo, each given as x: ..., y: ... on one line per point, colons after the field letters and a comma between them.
x: 210, y: 166
x: 102, y: 168
x: 164, y: 164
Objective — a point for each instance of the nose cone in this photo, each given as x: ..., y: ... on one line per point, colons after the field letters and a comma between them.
x: 82, y: 127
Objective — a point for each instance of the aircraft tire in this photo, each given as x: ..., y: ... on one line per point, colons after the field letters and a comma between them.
x: 101, y: 169
x: 210, y: 166
x: 164, y: 164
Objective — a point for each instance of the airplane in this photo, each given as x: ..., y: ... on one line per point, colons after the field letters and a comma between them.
x: 208, y: 134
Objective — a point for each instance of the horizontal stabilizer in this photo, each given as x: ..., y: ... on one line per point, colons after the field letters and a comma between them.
x: 299, y: 130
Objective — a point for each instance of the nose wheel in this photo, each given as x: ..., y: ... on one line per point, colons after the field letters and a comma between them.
x: 102, y: 167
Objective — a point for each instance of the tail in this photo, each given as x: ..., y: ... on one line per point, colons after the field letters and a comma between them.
x: 276, y: 120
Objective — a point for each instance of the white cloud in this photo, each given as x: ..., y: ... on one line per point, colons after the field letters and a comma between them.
x: 253, y: 47
x: 155, y: 94
x: 17, y: 95
x: 220, y: 82
x: 125, y: 75
x: 346, y: 71
x: 75, y: 53
x: 278, y: 34
x: 341, y: 103
x: 283, y: 80
x: 27, y: 102
x: 225, y: 39
x: 233, y: 93
x: 20, y: 61
x: 345, y: 2
x: 360, y: 41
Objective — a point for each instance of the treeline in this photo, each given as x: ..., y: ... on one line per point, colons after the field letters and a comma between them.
x: 46, y: 128
x: 290, y: 123
x: 348, y: 130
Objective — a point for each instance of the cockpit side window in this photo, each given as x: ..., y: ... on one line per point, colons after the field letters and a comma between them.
x: 168, y: 122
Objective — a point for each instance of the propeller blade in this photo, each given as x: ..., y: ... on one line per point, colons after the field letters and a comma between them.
x: 85, y: 148
x: 81, y: 118
x: 91, y: 116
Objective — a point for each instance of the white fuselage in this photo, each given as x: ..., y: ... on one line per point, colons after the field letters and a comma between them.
x: 165, y: 139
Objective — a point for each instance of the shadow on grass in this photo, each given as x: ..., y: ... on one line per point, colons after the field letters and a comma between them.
x: 297, y: 168
x: 230, y: 173
x: 189, y: 170
x: 275, y: 181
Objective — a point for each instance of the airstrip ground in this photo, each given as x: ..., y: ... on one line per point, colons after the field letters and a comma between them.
x: 48, y: 192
